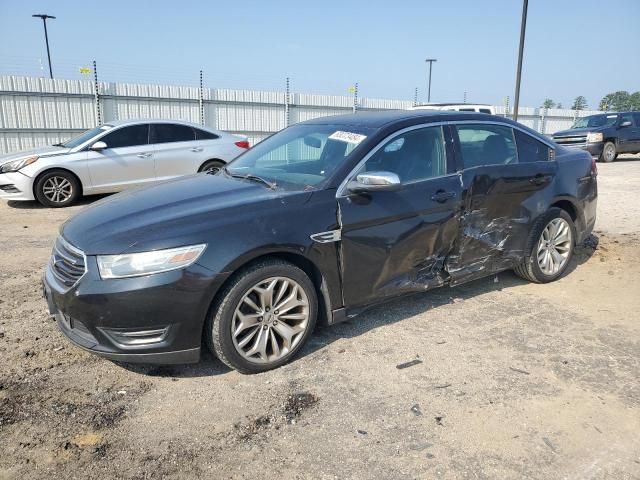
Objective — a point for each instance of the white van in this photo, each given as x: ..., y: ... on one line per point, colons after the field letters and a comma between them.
x: 458, y: 107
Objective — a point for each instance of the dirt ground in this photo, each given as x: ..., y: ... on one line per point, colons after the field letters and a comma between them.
x: 501, y: 379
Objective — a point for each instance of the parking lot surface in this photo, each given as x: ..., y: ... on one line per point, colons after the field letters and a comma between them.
x: 493, y: 379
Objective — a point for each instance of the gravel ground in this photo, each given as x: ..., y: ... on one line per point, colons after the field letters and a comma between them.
x: 494, y: 379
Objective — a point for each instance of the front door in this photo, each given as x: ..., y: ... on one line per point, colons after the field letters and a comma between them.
x: 395, y: 242
x: 126, y: 162
x: 505, y: 173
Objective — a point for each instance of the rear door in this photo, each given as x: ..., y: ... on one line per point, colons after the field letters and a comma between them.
x: 126, y: 162
x: 628, y: 137
x: 176, y: 150
x: 505, y: 176
x: 395, y: 242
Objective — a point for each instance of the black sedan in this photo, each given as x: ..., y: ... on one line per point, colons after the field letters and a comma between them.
x: 314, y: 225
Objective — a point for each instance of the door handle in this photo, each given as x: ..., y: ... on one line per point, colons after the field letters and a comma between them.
x: 143, y: 155
x: 197, y: 149
x: 539, y: 179
x: 441, y: 196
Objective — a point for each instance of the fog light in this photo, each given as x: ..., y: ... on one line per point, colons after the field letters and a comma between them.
x: 132, y: 338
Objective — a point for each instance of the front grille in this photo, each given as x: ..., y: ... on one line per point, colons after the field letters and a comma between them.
x: 578, y: 141
x: 67, y: 263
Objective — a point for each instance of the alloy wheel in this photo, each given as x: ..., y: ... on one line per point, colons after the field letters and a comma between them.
x: 57, y: 189
x: 609, y: 152
x: 270, y: 320
x: 554, y: 246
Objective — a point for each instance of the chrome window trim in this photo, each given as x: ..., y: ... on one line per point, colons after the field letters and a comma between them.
x: 342, y: 187
x: 540, y: 138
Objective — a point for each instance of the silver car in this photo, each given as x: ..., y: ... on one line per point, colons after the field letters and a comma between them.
x: 114, y: 157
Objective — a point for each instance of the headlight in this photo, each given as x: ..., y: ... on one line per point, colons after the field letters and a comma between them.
x: 594, y: 137
x: 146, y: 263
x: 17, y: 164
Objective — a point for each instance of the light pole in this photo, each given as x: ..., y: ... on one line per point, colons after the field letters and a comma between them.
x: 523, y: 28
x: 44, y: 18
x: 430, y: 62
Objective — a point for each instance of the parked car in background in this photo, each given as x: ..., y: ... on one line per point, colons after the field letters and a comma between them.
x: 114, y: 157
x: 457, y: 107
x: 604, y: 135
x: 316, y: 223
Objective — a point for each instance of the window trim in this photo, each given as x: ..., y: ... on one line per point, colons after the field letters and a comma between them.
x: 341, y: 192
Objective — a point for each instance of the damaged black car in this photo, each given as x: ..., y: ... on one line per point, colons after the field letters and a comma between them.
x: 312, y: 226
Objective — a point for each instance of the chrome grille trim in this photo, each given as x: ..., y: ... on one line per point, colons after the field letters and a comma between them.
x: 68, y: 264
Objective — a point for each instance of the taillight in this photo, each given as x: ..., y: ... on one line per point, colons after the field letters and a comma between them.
x: 594, y: 168
x: 243, y: 144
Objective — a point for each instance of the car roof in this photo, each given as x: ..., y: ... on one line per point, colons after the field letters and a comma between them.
x: 382, y: 118
x: 134, y: 121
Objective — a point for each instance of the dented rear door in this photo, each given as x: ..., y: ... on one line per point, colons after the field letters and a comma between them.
x: 500, y: 203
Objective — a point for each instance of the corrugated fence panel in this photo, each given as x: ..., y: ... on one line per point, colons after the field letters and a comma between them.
x: 38, y: 111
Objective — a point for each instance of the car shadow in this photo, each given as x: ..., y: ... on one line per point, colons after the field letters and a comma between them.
x: 386, y: 313
x: 34, y: 205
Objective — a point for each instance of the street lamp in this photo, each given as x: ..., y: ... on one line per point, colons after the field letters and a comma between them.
x: 44, y: 18
x: 430, y: 62
x: 523, y: 28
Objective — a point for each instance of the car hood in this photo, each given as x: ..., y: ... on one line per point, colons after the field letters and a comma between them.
x: 577, y: 131
x: 186, y: 211
x: 49, y: 151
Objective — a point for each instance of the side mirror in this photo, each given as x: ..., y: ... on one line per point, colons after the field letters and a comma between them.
x: 375, y: 182
x: 626, y: 123
x: 96, y: 147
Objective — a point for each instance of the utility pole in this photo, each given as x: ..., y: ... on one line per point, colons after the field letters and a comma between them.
x: 44, y: 18
x: 430, y: 62
x: 523, y: 28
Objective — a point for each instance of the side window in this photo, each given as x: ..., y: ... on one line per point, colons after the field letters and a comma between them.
x: 530, y: 149
x: 204, y: 135
x: 170, y: 132
x: 627, y: 117
x: 485, y: 110
x: 413, y: 156
x: 636, y: 117
x: 486, y: 145
x: 127, y: 136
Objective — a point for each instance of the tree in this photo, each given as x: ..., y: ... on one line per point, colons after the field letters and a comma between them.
x: 635, y: 102
x: 548, y: 103
x: 579, y: 103
x: 617, y: 101
x: 559, y: 105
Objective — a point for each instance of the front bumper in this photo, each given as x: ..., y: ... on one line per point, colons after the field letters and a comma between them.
x: 151, y: 319
x: 595, y: 149
x: 16, y: 186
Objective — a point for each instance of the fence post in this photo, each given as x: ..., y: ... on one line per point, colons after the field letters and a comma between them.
x: 355, y: 97
x: 287, y: 101
x: 506, y: 107
x: 96, y: 93
x: 543, y: 115
x: 201, y: 100
x: 415, y: 97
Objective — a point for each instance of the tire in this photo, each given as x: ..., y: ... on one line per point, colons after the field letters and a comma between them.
x: 57, y: 189
x: 212, y: 166
x: 534, y: 268
x: 243, y: 351
x: 609, y: 152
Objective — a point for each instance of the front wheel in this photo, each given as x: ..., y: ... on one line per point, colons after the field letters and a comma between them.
x: 57, y: 188
x: 263, y: 317
x: 550, y: 247
x: 609, y: 152
x: 211, y: 166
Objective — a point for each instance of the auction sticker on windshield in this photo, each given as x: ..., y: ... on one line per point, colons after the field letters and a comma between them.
x: 348, y: 137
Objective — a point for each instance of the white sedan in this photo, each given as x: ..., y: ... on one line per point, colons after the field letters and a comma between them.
x: 114, y: 157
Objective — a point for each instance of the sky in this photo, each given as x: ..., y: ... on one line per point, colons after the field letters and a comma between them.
x: 573, y: 47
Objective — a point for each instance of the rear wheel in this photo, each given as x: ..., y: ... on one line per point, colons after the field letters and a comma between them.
x: 263, y: 317
x: 550, y: 247
x: 609, y: 152
x: 57, y: 188
x: 212, y: 166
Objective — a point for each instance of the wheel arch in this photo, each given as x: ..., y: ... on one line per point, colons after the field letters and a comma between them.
x: 36, y: 179
x: 224, y: 162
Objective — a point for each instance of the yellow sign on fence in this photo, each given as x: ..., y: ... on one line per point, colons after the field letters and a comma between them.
x: 85, y: 70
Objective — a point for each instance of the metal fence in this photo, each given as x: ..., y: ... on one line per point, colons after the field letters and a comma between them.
x: 38, y: 111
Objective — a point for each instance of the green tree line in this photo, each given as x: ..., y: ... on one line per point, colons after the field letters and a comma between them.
x: 620, y: 101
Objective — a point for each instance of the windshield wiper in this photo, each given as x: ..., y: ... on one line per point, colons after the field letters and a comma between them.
x: 252, y: 177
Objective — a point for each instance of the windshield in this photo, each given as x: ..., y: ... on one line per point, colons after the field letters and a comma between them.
x: 301, y: 156
x: 595, y: 121
x: 83, y: 137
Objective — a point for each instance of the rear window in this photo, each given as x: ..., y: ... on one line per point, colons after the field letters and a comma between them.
x: 170, y: 132
x: 530, y: 149
x: 204, y: 135
x: 486, y: 145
